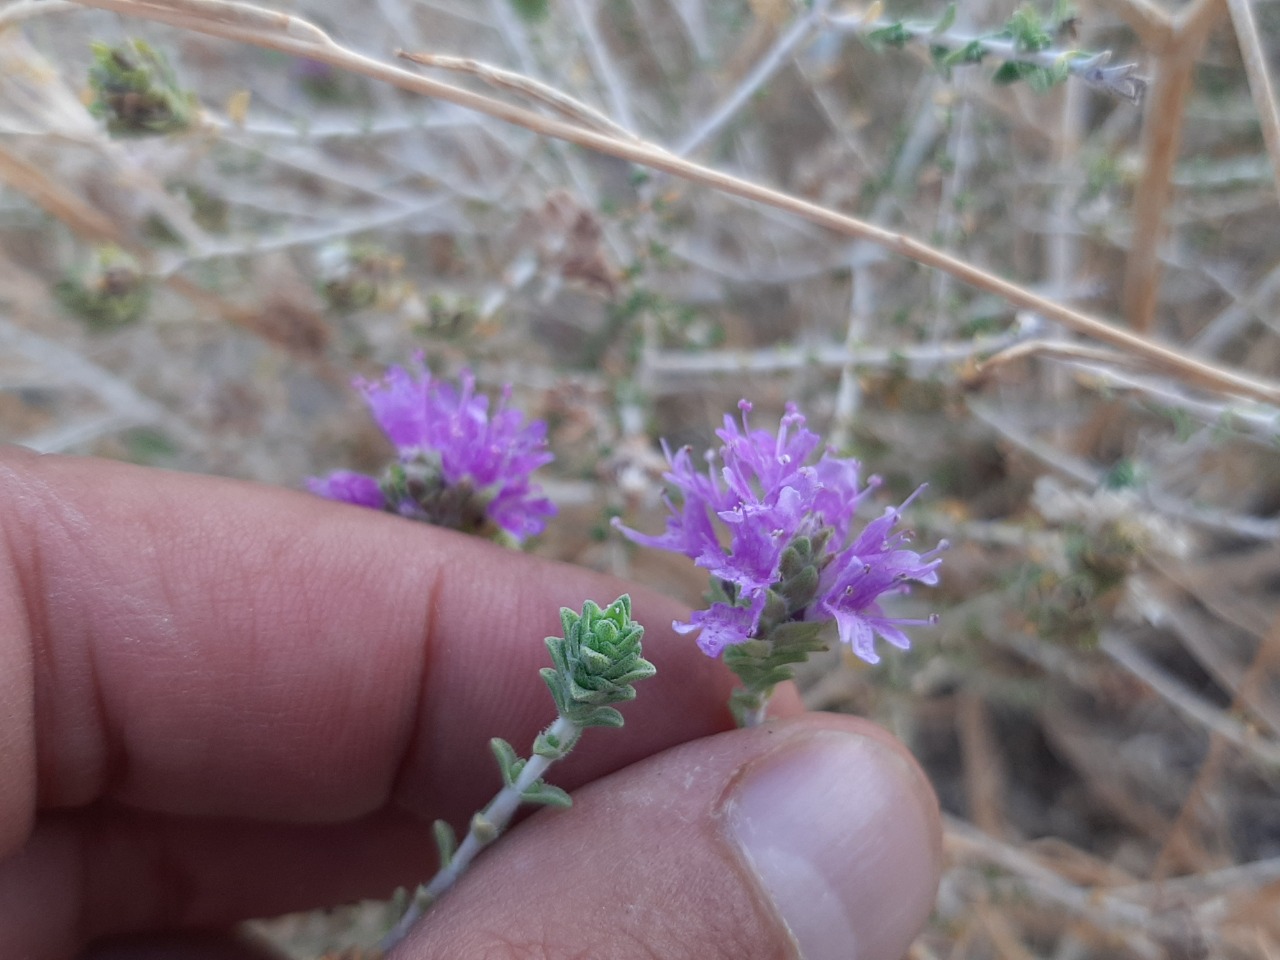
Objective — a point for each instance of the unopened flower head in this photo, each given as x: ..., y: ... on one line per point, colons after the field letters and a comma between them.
x: 459, y: 465
x: 777, y: 533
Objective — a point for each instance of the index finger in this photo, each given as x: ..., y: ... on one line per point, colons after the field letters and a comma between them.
x: 198, y: 646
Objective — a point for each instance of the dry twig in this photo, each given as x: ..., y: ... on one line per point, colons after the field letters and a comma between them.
x: 534, y: 90
x: 288, y: 34
x: 1260, y: 85
x: 1162, y: 133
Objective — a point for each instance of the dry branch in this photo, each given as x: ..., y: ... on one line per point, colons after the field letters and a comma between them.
x: 288, y: 34
x: 1162, y: 133
x: 1260, y: 85
x: 527, y: 87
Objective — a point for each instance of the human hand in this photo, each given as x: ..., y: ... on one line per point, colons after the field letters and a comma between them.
x: 220, y: 701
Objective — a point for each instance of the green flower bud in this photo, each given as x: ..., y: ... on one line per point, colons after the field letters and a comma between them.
x: 136, y: 92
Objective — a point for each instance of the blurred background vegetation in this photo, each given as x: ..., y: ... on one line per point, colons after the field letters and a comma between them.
x: 202, y: 241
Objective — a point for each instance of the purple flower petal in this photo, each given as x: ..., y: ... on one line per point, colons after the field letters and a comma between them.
x: 349, y: 487
x: 722, y: 625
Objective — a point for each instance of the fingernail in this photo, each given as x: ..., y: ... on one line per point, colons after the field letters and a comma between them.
x: 838, y: 830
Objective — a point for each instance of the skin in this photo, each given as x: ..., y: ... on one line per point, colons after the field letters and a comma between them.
x: 220, y: 700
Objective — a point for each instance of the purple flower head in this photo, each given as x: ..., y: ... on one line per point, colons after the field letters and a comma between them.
x: 460, y: 464
x: 777, y: 534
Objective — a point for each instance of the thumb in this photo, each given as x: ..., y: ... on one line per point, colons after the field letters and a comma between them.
x: 816, y: 837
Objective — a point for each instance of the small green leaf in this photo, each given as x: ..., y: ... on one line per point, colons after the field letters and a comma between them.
x: 947, y: 21
x: 971, y: 52
x: 546, y: 794
x: 446, y: 842
x: 553, y: 748
x: 555, y: 684
x: 600, y: 717
x: 508, y: 761
x: 894, y: 35
x: 1009, y: 72
x: 641, y: 671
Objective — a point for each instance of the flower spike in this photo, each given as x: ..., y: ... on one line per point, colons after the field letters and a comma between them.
x: 776, y: 531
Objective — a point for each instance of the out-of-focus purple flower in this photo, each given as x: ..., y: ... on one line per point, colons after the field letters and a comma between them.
x: 778, y: 536
x: 349, y: 487
x: 460, y: 464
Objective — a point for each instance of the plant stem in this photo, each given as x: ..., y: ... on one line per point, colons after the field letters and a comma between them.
x: 753, y: 715
x: 486, y: 826
x: 749, y: 704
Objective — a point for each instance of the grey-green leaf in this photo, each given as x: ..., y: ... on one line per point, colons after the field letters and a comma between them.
x: 546, y: 794
x: 446, y: 842
x: 508, y: 761
x: 948, y: 19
